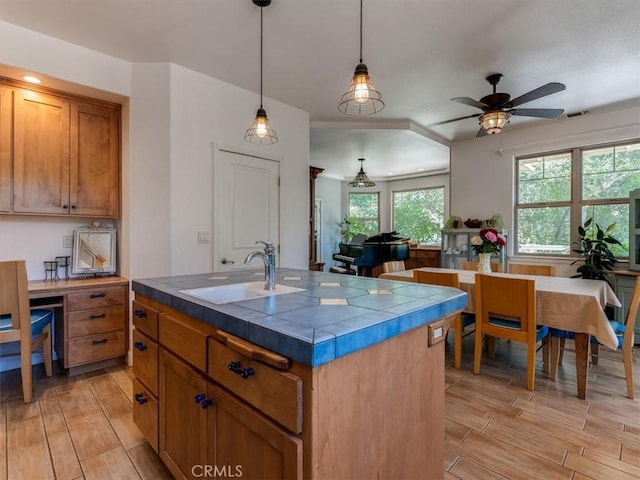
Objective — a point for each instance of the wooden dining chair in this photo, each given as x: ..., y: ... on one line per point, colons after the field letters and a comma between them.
x: 20, y: 324
x: 524, y: 269
x: 461, y: 320
x: 506, y: 308
x: 624, y: 332
x: 468, y: 265
x: 393, y: 266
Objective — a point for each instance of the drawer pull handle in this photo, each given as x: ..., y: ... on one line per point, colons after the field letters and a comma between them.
x: 104, y: 340
x: 205, y: 403
x: 199, y: 397
x: 102, y: 315
x: 141, y: 399
x: 140, y: 346
x: 97, y: 295
x: 140, y: 313
x: 238, y: 370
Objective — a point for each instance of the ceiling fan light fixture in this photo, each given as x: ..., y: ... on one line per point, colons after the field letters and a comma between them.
x: 494, y: 122
x: 361, y: 180
x: 361, y: 98
x: 260, y: 131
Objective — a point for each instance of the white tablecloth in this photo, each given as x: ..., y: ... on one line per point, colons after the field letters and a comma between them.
x: 571, y: 304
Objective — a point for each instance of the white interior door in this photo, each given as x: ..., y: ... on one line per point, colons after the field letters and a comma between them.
x: 246, y: 207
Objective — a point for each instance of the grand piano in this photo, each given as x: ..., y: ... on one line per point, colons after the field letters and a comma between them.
x: 367, y: 253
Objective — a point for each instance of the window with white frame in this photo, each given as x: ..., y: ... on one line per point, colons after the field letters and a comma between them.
x: 557, y: 192
x: 419, y: 214
x: 365, y: 208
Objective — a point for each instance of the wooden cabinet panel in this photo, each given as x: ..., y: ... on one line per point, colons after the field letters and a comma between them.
x: 87, y: 322
x: 96, y: 347
x: 277, y: 394
x: 6, y: 147
x: 145, y: 361
x: 95, y: 298
x: 145, y: 413
x: 250, y: 445
x: 94, y: 161
x: 41, y: 153
x: 185, y: 341
x: 183, y: 422
x: 145, y: 319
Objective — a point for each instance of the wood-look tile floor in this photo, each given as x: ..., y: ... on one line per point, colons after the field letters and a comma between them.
x: 82, y: 428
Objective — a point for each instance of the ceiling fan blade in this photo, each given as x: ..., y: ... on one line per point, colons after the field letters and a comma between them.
x: 454, y: 120
x: 482, y: 132
x: 539, y: 92
x: 469, y: 101
x: 538, y: 112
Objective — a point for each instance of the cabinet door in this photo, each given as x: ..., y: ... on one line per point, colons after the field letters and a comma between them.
x: 94, y: 165
x: 41, y: 153
x: 6, y: 147
x: 183, y: 422
x: 249, y: 446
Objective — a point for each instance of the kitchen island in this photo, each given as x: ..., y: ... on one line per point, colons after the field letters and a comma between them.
x: 343, y: 378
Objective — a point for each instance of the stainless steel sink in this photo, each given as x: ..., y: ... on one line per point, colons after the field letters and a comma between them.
x: 238, y: 292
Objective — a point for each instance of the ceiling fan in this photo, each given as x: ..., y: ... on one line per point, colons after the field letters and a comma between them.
x: 497, y: 108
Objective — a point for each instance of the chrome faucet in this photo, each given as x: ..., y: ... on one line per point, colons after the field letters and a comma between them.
x: 269, y: 259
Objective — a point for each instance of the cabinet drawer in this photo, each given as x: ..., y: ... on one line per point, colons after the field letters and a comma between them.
x: 187, y: 342
x: 86, y: 322
x: 276, y: 393
x: 145, y: 319
x: 95, y: 298
x: 145, y: 361
x: 145, y: 413
x: 96, y: 347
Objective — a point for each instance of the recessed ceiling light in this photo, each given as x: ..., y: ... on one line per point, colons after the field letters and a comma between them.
x: 419, y: 169
x: 31, y: 79
x: 389, y: 173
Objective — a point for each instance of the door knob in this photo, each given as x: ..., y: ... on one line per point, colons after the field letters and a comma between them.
x: 226, y: 261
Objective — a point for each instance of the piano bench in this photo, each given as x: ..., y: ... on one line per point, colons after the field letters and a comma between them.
x: 345, y: 271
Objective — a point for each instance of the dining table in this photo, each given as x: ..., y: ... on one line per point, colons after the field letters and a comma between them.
x: 572, y: 304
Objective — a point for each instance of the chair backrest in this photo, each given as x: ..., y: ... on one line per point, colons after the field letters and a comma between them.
x: 393, y: 266
x: 505, y: 298
x: 495, y: 267
x: 632, y: 315
x: 523, y: 269
x: 444, y: 279
x: 14, y: 299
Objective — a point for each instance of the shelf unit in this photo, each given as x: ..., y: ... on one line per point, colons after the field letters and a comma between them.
x: 455, y: 248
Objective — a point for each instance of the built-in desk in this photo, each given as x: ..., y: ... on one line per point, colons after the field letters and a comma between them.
x: 91, y: 319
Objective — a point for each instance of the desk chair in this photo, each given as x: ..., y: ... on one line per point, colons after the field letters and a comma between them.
x: 544, y: 270
x: 495, y: 267
x: 624, y: 332
x: 461, y: 320
x: 506, y: 308
x: 393, y: 266
x: 20, y: 324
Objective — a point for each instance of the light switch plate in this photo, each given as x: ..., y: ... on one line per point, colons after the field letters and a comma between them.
x: 203, y: 237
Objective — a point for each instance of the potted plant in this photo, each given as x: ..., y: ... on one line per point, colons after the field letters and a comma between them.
x: 594, y: 246
x: 349, y: 226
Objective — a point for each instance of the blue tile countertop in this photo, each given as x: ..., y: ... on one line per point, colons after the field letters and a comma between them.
x: 332, y: 316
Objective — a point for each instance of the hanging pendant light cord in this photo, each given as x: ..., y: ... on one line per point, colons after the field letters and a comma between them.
x: 262, y: 8
x: 360, y: 31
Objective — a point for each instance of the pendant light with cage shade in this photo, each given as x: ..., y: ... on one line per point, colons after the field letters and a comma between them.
x: 362, y: 98
x: 361, y: 179
x: 260, y: 131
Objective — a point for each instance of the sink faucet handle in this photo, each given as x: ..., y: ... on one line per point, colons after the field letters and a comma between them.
x: 267, y: 245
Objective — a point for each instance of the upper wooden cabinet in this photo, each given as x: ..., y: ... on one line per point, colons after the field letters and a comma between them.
x: 66, y: 155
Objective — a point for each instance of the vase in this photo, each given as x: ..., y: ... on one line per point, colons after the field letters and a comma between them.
x: 484, y: 263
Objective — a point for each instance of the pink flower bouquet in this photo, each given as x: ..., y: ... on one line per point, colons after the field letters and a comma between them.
x: 488, y: 240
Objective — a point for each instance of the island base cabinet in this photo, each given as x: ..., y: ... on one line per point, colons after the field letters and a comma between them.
x: 207, y: 432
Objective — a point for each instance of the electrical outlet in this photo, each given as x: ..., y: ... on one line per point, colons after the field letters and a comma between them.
x: 203, y: 237
x: 67, y: 241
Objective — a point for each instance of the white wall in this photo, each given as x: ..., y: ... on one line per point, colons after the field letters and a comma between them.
x: 482, y: 169
x: 329, y: 191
